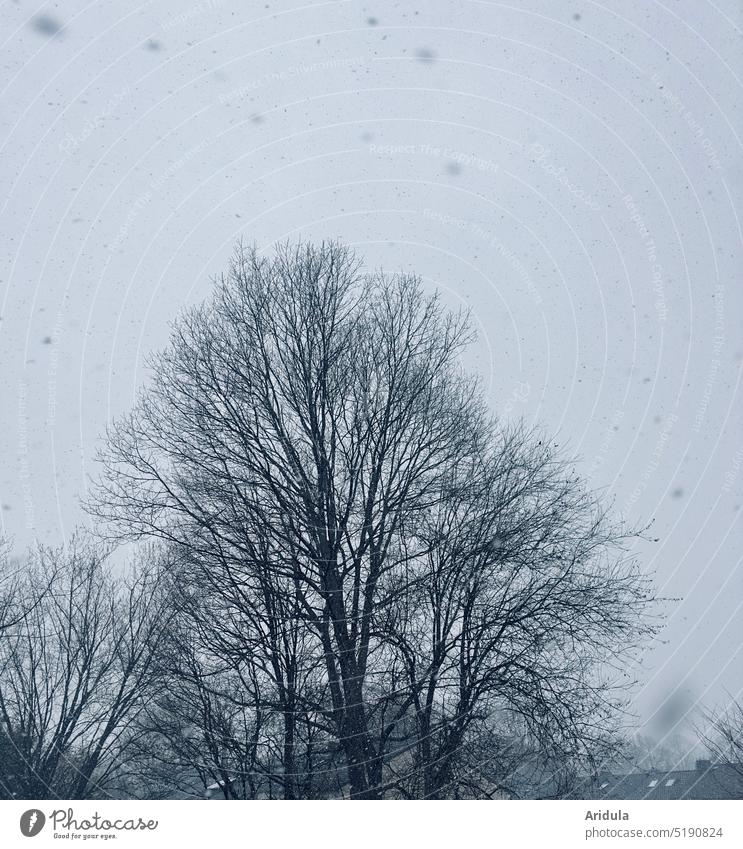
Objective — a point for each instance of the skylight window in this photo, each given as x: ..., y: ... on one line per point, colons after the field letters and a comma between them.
x: 670, y: 782
x: 653, y: 783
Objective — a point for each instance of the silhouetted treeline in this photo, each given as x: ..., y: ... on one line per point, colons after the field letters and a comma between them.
x: 358, y: 581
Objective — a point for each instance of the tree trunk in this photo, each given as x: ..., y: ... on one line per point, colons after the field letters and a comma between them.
x: 289, y: 766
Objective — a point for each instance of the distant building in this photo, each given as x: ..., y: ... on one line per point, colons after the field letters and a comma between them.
x: 705, y: 781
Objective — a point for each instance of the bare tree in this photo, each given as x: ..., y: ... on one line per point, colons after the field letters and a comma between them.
x: 73, y: 672
x: 525, y: 601
x: 311, y: 446
x: 723, y: 735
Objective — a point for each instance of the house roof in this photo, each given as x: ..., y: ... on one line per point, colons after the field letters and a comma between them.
x: 719, y: 781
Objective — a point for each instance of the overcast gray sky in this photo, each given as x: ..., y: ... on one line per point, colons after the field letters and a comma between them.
x: 569, y: 170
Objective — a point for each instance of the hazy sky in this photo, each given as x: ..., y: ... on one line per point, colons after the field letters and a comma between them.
x: 569, y: 170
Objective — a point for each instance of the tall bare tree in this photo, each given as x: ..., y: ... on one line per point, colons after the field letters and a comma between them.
x: 311, y: 446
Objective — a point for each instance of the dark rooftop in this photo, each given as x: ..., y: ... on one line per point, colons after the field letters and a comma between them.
x: 706, y: 781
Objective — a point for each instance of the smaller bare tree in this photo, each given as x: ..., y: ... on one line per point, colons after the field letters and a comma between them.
x: 723, y: 735
x: 74, y: 672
